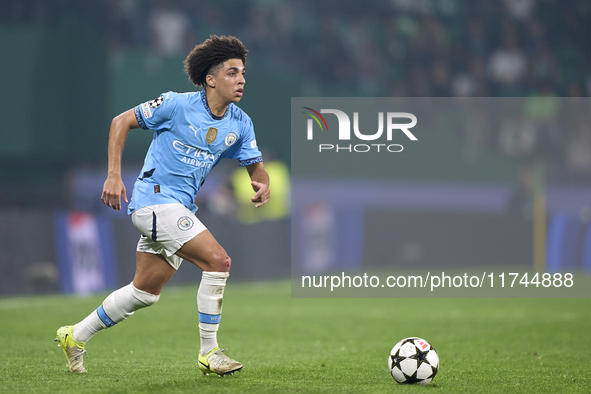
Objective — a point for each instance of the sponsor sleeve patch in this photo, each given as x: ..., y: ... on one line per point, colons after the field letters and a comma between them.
x: 146, y: 111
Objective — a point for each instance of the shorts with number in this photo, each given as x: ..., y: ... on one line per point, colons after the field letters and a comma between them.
x: 165, y: 228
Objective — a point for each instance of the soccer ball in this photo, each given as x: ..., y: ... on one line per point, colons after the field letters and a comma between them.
x: 413, y: 360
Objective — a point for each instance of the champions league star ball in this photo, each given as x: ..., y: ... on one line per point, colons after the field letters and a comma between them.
x: 413, y: 360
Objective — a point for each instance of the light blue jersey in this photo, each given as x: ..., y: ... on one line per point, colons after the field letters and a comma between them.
x: 188, y: 142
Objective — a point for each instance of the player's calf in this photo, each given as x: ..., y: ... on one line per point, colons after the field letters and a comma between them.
x: 117, y: 307
x: 210, y: 299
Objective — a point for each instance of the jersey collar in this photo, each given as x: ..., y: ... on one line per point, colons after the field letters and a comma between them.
x: 206, y: 105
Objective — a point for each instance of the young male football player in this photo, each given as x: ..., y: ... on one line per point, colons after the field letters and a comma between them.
x: 192, y: 133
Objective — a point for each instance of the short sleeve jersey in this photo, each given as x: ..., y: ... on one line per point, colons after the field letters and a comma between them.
x: 188, y: 142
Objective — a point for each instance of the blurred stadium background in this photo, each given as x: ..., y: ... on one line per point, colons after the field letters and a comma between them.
x: 68, y: 67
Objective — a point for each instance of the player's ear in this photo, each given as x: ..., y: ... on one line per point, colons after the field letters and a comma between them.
x: 210, y: 80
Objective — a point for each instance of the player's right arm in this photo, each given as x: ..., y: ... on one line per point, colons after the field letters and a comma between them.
x: 114, y: 189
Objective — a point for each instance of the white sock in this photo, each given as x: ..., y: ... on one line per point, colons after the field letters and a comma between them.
x: 210, y: 297
x: 118, y: 306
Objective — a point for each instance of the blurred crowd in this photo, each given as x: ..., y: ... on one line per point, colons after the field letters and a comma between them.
x: 385, y: 48
x: 372, y: 48
x: 400, y: 48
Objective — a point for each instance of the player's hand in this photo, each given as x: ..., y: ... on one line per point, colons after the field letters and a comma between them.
x: 262, y: 195
x: 113, y: 190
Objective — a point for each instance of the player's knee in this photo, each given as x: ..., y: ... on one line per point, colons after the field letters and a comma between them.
x: 221, y: 262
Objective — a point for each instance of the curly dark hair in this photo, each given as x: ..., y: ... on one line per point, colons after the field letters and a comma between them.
x: 207, y: 57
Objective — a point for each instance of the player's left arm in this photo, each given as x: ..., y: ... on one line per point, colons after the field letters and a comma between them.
x: 260, y: 183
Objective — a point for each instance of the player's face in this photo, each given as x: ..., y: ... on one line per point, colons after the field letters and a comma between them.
x: 230, y: 80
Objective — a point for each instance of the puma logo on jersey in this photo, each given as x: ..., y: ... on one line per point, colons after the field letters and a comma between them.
x: 193, y: 128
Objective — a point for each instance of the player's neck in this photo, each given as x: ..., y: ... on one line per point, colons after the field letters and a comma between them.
x: 217, y: 105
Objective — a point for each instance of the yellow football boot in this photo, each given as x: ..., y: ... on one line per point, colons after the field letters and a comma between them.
x: 217, y: 362
x: 73, y: 350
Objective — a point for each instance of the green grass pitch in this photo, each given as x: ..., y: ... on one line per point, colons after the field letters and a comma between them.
x: 302, y: 345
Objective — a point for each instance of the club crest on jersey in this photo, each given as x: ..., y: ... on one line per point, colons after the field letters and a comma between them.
x: 211, y: 135
x: 157, y: 102
x: 231, y: 138
x: 185, y: 223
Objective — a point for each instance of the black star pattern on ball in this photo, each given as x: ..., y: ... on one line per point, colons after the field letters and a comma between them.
x: 411, y: 379
x: 420, y: 356
x: 396, y: 360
